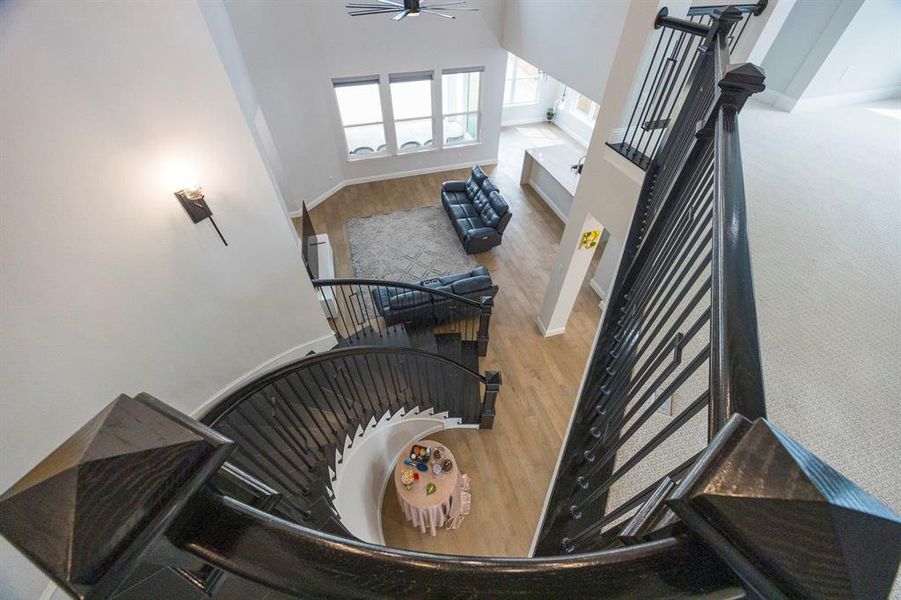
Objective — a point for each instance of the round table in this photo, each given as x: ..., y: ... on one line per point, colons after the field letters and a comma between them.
x: 429, y: 510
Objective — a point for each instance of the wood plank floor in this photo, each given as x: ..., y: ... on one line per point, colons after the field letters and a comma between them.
x: 510, y: 465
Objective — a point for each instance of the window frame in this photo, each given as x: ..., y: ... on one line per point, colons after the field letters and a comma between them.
x: 406, y: 78
x: 353, y: 81
x: 591, y: 116
x: 516, y: 67
x: 477, y: 112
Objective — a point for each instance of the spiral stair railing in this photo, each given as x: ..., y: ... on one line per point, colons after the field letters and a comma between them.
x: 244, y: 495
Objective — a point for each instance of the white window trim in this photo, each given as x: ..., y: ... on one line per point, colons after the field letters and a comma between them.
x: 391, y: 148
x: 348, y: 157
x: 398, y: 151
x: 570, y: 107
x: 477, y: 112
x: 513, y: 81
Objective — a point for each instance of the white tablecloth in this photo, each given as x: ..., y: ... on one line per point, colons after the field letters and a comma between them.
x: 430, y: 510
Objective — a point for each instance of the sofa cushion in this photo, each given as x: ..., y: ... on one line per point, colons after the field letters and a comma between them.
x: 452, y: 278
x: 479, y: 271
x: 478, y: 175
x: 498, y: 203
x: 442, y: 288
x: 454, y: 186
x: 464, y: 211
x: 409, y: 299
x: 492, y: 210
x: 466, y: 225
x: 471, y: 285
x: 488, y: 187
x: 480, y: 200
x: 452, y: 198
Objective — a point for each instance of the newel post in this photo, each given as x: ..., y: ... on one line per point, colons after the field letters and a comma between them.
x: 487, y: 305
x: 492, y: 387
x: 89, y: 512
x: 784, y: 521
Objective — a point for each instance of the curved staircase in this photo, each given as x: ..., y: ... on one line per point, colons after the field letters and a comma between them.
x: 141, y: 501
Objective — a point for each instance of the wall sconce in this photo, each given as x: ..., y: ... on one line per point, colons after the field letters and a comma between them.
x: 193, y: 201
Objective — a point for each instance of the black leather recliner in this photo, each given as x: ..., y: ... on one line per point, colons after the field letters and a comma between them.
x: 402, y: 305
x: 477, y: 210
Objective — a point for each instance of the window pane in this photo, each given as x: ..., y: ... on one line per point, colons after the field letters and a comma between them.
x: 511, y: 65
x: 365, y: 139
x: 461, y: 129
x: 359, y: 104
x: 526, y: 91
x: 583, y: 105
x: 414, y: 134
x: 412, y: 99
x: 460, y: 92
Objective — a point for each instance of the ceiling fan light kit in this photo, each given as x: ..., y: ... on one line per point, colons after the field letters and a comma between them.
x: 405, y: 8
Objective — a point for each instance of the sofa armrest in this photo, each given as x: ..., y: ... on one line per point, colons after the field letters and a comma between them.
x: 454, y: 186
x: 481, y: 232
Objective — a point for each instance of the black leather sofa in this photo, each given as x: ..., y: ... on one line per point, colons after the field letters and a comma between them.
x: 402, y: 305
x: 477, y: 210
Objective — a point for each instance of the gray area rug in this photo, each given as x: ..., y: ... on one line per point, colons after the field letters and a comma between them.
x: 406, y: 246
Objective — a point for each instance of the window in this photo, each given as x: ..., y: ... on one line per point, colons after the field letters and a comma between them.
x: 461, y: 90
x: 411, y: 99
x: 523, y: 82
x: 361, y: 115
x: 583, y: 107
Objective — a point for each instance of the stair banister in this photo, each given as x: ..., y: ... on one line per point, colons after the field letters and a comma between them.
x: 722, y: 500
x: 487, y: 306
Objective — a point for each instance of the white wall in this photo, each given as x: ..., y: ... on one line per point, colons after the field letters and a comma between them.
x: 830, y: 53
x: 577, y: 127
x: 107, y: 286
x: 294, y: 49
x: 519, y: 114
x: 866, y: 60
x: 572, y: 40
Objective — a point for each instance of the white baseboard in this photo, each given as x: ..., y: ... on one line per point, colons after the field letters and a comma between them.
x: 385, y: 177
x: 785, y: 103
x: 321, y: 344
x: 548, y: 332
x: 777, y: 100
x: 48, y: 591
x: 572, y: 133
x: 597, y: 289
x: 414, y: 172
x: 529, y: 121
x: 836, y: 100
x: 547, y: 200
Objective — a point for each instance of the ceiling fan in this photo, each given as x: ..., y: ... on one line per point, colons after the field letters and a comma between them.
x: 405, y: 8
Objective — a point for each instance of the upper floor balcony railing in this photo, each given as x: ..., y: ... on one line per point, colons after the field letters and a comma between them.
x: 677, y: 45
x: 706, y: 500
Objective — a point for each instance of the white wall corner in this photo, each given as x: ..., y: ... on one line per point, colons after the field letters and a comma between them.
x: 544, y: 329
x: 385, y: 177
x: 594, y: 285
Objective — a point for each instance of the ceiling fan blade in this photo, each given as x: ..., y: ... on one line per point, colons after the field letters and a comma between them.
x: 442, y: 4
x: 392, y: 3
x: 443, y: 8
x: 435, y: 12
x: 369, y: 7
x: 370, y: 12
x: 401, y: 16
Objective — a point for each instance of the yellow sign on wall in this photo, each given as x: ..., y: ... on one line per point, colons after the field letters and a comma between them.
x: 590, y: 239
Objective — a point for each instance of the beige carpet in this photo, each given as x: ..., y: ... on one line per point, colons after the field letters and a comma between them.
x: 407, y: 246
x: 824, y: 197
